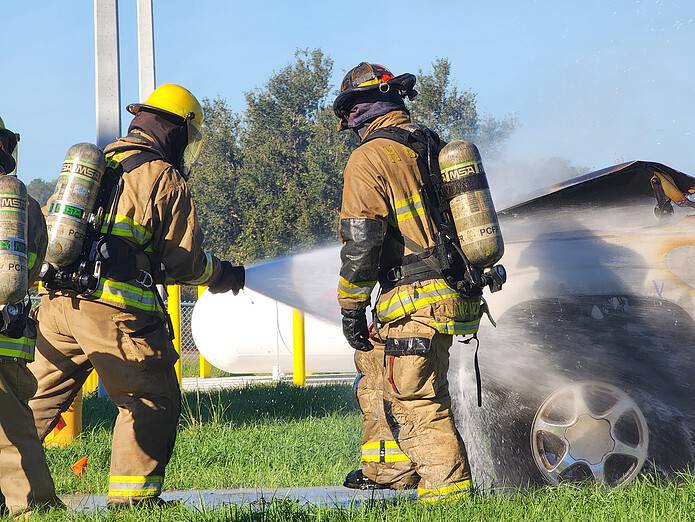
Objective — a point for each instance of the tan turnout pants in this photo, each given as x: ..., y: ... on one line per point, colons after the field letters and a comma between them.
x: 417, y: 405
x: 135, y: 359
x: 382, y: 460
x: 25, y: 480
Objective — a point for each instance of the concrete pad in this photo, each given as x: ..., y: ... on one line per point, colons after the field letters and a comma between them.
x: 326, y: 496
x: 241, y: 381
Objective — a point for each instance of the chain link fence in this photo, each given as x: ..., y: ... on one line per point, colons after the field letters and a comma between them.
x: 190, y: 357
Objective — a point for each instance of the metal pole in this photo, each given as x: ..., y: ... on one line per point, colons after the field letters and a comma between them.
x: 174, y: 306
x: 205, y: 368
x: 92, y: 383
x: 146, y: 69
x: 298, y: 354
x: 107, y: 80
x: 108, y: 90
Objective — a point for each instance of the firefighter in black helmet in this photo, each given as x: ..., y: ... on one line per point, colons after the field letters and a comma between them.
x: 409, y: 437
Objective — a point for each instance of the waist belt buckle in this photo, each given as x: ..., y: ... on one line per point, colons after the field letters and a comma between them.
x: 394, y: 274
x: 145, y: 279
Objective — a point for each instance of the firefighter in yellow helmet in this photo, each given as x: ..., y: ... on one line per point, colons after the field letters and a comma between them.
x: 120, y: 329
x: 410, y: 437
x: 25, y: 482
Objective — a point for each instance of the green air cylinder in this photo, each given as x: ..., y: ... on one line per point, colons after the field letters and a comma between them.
x: 14, y: 280
x: 72, y: 203
x: 470, y: 201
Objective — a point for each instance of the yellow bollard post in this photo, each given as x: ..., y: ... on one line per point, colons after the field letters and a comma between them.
x: 205, y: 368
x: 174, y: 307
x: 92, y: 383
x: 69, y: 426
x: 298, y: 354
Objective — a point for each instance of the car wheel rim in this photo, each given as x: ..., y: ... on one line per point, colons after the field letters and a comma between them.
x: 589, y: 431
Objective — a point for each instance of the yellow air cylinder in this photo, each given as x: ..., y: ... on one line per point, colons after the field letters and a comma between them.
x: 72, y: 202
x: 472, y: 209
x: 13, y: 240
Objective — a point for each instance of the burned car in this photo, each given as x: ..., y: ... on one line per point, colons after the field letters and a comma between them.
x: 587, y: 375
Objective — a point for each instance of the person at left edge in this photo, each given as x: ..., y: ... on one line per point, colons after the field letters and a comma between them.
x: 25, y: 481
x: 120, y: 330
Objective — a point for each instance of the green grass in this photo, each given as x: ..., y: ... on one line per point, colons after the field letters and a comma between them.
x: 271, y: 436
x: 646, y: 499
x: 190, y: 366
x: 276, y: 436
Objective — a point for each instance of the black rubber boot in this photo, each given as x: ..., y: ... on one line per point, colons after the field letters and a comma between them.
x: 356, y: 480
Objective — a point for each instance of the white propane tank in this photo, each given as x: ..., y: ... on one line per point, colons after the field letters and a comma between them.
x: 252, y: 333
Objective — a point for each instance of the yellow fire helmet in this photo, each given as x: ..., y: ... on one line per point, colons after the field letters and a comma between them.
x: 175, y: 100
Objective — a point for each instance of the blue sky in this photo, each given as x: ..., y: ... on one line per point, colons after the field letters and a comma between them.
x: 595, y: 82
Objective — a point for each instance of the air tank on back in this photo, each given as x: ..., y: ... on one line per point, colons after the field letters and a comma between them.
x: 472, y: 209
x: 72, y: 202
x: 13, y: 240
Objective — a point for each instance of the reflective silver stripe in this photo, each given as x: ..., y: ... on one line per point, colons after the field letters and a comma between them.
x: 135, y: 486
x: 125, y: 226
x: 383, y: 451
x: 22, y: 348
x: 456, y: 327
x: 207, y: 273
x: 355, y: 291
x: 408, y: 208
x: 404, y: 303
x: 127, y: 294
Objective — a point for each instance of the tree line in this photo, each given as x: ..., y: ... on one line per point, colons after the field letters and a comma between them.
x: 269, y: 178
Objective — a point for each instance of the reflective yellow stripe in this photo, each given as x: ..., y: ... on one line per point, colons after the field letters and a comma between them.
x: 456, y: 490
x: 114, y: 159
x: 403, y: 303
x: 135, y: 479
x: 409, y: 208
x: 127, y: 294
x: 391, y: 444
x: 387, y: 458
x: 373, y: 81
x: 207, y: 273
x: 126, y: 227
x: 135, y: 485
x: 372, y: 452
x: 22, y: 348
x: 32, y: 260
x: 355, y: 291
x: 456, y: 327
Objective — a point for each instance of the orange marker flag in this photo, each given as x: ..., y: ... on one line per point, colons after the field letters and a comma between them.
x: 61, y: 424
x: 79, y: 467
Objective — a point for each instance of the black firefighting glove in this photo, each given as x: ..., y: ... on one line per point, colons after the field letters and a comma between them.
x: 232, y: 278
x: 8, y: 142
x: 355, y: 329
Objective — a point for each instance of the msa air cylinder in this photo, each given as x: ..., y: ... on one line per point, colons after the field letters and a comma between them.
x: 13, y: 240
x: 470, y: 201
x: 72, y: 203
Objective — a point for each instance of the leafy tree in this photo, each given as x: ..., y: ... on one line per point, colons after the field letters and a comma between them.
x: 292, y: 161
x: 41, y: 190
x: 214, y: 180
x: 453, y: 113
x: 269, y: 180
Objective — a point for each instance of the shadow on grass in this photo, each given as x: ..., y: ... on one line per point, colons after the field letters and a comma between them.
x: 241, y: 406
